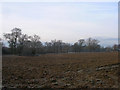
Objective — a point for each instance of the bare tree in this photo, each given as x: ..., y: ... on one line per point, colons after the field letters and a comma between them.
x: 23, y: 44
x: 65, y: 47
x: 13, y: 38
x: 115, y: 47
x: 48, y: 47
x: 35, y: 43
x: 81, y: 43
x: 22, y: 40
x: 1, y: 46
x: 92, y: 44
x: 108, y: 49
x: 1, y: 41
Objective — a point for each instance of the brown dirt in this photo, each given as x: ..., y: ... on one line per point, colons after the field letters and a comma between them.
x: 80, y: 70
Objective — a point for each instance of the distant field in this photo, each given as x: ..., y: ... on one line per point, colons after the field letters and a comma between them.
x: 81, y: 70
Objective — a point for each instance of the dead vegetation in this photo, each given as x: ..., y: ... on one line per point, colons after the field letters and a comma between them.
x: 80, y: 70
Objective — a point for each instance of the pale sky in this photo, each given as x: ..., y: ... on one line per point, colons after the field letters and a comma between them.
x: 59, y: 1
x: 67, y: 21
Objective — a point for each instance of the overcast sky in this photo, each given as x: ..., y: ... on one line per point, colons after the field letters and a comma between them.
x: 65, y: 21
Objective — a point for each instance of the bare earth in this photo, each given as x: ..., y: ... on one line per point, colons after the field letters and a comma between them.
x: 80, y: 70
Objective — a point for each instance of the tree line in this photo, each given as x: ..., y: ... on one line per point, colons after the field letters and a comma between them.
x: 23, y: 44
